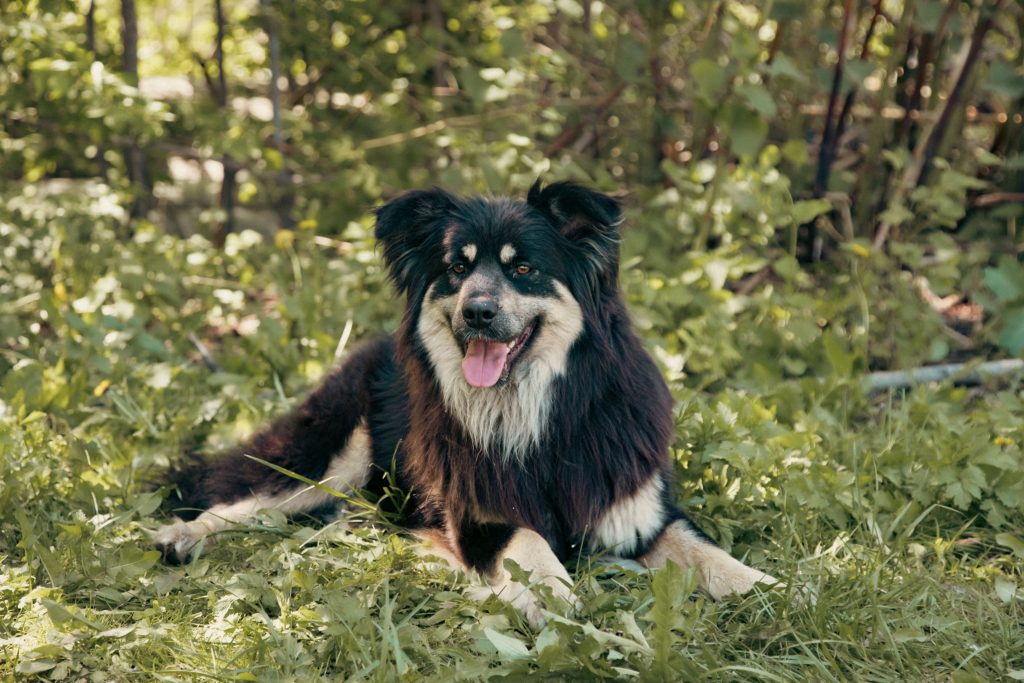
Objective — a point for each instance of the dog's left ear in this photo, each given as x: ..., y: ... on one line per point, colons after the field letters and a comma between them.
x: 589, y: 219
x: 411, y: 230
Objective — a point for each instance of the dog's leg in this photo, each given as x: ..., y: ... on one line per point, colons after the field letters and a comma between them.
x: 718, y: 573
x: 325, y: 438
x: 435, y: 552
x: 486, y: 548
x: 349, y: 469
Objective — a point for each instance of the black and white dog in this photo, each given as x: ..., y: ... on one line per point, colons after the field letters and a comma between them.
x: 520, y: 410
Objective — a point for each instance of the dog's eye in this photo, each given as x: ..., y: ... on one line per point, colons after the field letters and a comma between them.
x: 458, y: 268
x: 523, y: 269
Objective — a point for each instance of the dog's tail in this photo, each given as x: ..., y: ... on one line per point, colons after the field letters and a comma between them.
x: 301, y: 442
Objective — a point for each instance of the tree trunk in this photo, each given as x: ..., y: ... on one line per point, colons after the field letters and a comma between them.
x: 90, y: 45
x: 286, y: 200
x: 227, y: 189
x: 134, y: 161
x: 90, y: 27
x: 130, y: 29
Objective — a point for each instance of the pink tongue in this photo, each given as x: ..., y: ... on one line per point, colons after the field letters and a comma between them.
x: 484, y: 362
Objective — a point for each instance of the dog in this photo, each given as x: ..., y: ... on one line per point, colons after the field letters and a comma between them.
x: 514, y: 403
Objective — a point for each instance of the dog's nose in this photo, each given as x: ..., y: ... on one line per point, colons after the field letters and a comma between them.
x: 479, y: 313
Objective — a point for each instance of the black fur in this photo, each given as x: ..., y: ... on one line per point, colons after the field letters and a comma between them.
x: 610, y: 421
x: 302, y: 441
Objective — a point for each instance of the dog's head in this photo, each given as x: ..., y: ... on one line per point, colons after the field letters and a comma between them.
x: 501, y: 284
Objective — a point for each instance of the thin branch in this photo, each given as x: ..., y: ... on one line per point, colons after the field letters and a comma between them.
x: 218, y: 53
x: 256, y: 168
x: 90, y: 45
x: 204, y: 352
x: 130, y: 31
x: 864, y: 51
x: 452, y: 122
x: 227, y: 186
x: 275, y: 73
x: 828, y: 135
x: 90, y: 27
x: 993, y: 198
x: 961, y: 340
x: 745, y: 287
x: 916, y: 172
x: 404, y: 136
x: 714, y: 14
x: 203, y: 63
x: 842, y: 202
x: 929, y: 48
x: 960, y: 373
x: 134, y: 160
x: 286, y: 199
x: 773, y: 48
x: 937, y: 133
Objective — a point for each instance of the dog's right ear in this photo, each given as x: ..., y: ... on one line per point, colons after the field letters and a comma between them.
x: 411, y: 230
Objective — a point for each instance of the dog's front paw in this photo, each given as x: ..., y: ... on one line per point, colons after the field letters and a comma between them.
x: 529, y: 605
x: 176, y: 541
x: 735, y: 578
x: 528, y: 602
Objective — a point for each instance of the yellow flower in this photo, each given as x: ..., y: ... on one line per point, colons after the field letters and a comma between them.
x: 101, y: 388
x: 860, y: 250
x: 284, y: 239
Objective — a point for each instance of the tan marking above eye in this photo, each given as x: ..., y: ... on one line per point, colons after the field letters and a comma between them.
x: 507, y: 253
x: 469, y: 251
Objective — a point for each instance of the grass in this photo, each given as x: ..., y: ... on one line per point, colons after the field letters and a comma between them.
x: 285, y: 601
x: 902, y: 514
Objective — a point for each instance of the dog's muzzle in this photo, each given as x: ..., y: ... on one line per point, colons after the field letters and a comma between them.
x: 489, y: 354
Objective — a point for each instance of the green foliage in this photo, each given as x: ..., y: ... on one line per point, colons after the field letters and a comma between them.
x: 62, y: 107
x: 872, y: 504
x: 126, y: 338
x: 486, y: 96
x: 1006, y: 282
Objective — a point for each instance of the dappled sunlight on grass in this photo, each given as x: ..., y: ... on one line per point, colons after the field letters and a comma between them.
x: 896, y: 522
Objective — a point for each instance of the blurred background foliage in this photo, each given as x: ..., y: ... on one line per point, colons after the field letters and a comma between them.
x: 815, y: 190
x: 868, y: 148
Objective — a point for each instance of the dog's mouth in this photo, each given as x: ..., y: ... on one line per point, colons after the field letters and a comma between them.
x: 488, y: 362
